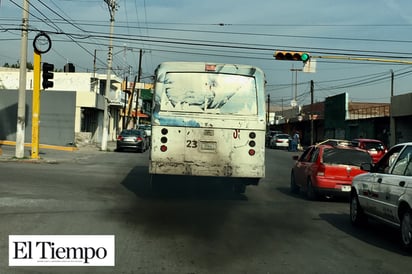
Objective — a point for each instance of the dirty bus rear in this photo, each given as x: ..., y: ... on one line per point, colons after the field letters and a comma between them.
x: 209, y: 120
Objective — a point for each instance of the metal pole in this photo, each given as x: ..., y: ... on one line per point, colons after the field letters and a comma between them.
x: 268, y: 114
x: 112, y: 9
x: 312, y: 133
x: 36, y: 106
x: 21, y: 105
x: 139, y: 75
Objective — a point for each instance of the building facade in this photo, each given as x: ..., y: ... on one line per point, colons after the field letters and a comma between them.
x: 338, y: 118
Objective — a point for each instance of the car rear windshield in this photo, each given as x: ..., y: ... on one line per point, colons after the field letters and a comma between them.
x: 373, y: 145
x: 131, y: 132
x: 282, y: 136
x: 345, y: 156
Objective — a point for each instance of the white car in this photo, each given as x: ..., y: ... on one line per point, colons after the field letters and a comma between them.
x: 280, y: 141
x: 385, y: 193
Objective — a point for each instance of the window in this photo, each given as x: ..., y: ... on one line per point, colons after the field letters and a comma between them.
x: 306, y: 155
x: 345, y: 157
x: 387, y: 160
x: 373, y: 146
x: 314, y: 155
x: 403, y: 164
x: 210, y: 93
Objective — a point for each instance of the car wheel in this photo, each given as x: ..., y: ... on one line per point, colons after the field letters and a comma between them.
x: 357, y: 216
x: 310, y: 191
x: 294, y: 188
x: 406, y: 229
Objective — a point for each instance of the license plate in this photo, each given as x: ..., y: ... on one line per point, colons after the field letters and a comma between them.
x: 208, y: 146
x: 345, y: 188
x: 129, y: 139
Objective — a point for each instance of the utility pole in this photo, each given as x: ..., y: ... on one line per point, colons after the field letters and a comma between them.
x: 268, y: 114
x: 311, y: 113
x: 139, y: 76
x: 295, y: 84
x: 112, y: 5
x: 21, y: 105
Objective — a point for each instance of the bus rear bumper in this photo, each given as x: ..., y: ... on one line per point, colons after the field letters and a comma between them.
x: 192, y: 169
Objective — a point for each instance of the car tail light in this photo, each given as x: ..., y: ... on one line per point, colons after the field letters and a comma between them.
x: 120, y: 138
x: 321, y: 170
x: 139, y: 139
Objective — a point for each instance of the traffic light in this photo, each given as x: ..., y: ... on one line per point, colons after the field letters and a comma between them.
x: 292, y: 56
x: 47, y: 75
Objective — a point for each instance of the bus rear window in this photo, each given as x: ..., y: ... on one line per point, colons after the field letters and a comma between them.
x: 203, y: 92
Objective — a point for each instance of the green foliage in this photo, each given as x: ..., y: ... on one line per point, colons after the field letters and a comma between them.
x: 7, y: 65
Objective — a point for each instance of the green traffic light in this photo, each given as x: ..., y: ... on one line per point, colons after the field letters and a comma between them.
x: 304, y: 57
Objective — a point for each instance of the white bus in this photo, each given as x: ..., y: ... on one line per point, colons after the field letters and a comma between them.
x: 209, y: 120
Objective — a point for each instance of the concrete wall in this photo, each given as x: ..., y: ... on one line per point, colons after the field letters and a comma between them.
x: 57, y: 116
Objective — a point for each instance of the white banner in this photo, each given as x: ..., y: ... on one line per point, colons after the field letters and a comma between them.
x: 61, y: 250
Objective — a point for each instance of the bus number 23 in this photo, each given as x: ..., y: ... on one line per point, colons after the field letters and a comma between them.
x: 191, y: 144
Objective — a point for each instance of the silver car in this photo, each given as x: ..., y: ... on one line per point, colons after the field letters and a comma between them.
x: 385, y: 193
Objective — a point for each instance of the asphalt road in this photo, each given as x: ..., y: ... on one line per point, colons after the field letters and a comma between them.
x: 187, y: 224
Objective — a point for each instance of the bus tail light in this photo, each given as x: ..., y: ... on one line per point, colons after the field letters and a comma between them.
x: 163, y: 148
x: 252, y: 152
x: 209, y: 67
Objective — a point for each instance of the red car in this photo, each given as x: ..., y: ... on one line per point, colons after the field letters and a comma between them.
x: 374, y: 147
x: 327, y: 170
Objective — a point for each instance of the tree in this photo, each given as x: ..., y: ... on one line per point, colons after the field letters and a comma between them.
x: 28, y: 65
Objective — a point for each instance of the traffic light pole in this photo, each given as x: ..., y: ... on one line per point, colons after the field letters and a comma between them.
x: 36, y: 106
x: 337, y: 57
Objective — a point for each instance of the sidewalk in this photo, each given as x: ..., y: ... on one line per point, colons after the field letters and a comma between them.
x: 52, y: 154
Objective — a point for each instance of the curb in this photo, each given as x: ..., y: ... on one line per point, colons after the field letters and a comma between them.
x: 55, y: 147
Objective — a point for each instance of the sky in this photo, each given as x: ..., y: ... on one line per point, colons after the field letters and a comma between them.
x: 339, y: 35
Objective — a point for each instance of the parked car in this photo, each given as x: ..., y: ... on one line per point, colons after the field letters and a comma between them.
x: 385, y: 193
x: 135, y: 139
x: 374, y: 147
x: 147, y: 129
x: 269, y: 136
x: 326, y: 170
x: 335, y: 142
x: 280, y: 141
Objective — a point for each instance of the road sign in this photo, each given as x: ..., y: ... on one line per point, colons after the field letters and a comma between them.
x: 310, y: 66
